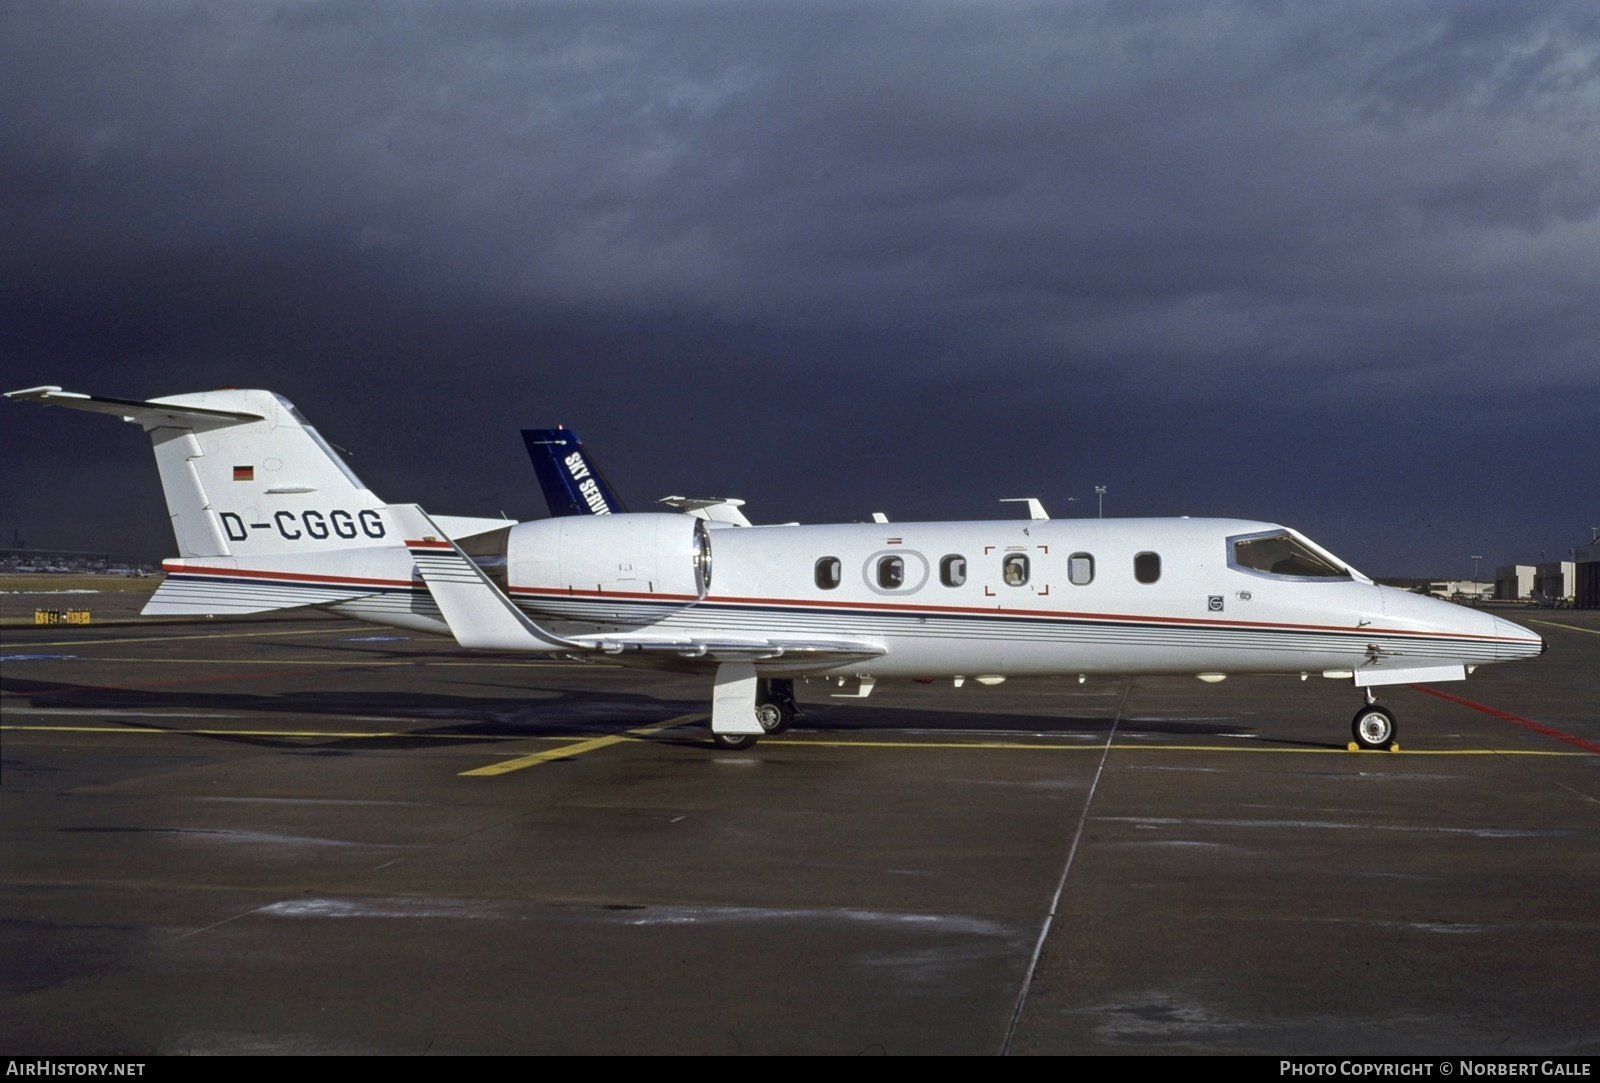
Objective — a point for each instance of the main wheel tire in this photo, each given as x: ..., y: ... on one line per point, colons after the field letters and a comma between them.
x: 734, y: 742
x: 1373, y: 727
x: 770, y: 715
x: 776, y: 716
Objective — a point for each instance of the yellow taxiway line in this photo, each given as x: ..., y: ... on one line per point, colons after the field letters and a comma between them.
x: 580, y: 747
x: 1558, y: 624
x: 169, y: 639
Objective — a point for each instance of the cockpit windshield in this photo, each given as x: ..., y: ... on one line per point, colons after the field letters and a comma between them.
x: 1281, y: 553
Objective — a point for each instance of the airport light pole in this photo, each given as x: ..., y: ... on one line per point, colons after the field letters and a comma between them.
x: 1475, y: 559
x: 1100, y: 494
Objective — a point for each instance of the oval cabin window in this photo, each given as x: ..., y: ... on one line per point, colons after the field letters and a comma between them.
x: 892, y: 573
x: 1147, y: 567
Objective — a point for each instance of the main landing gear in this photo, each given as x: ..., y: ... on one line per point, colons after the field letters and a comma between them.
x: 1373, y: 728
x: 746, y: 708
x: 776, y: 709
x: 734, y: 742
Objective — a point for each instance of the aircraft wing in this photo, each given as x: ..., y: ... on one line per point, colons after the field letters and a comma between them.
x: 731, y: 648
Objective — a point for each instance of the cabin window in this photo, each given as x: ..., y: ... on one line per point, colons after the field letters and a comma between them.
x: 829, y: 572
x: 1147, y: 567
x: 1080, y: 569
x: 892, y: 573
x: 1283, y: 554
x: 953, y: 570
x: 1014, y: 569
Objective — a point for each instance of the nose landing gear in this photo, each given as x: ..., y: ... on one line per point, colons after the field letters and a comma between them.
x: 1373, y: 727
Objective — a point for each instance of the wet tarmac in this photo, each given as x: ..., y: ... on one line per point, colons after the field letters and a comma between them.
x: 299, y: 834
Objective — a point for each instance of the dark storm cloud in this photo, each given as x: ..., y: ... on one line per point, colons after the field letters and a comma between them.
x: 1097, y: 217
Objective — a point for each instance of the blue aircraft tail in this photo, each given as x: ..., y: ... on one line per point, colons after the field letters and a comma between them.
x: 572, y: 484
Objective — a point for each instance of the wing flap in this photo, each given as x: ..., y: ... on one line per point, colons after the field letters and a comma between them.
x: 690, y: 645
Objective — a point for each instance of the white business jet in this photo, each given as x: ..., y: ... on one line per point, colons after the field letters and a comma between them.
x: 267, y: 516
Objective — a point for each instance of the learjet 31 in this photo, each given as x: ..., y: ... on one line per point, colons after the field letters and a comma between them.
x: 267, y: 517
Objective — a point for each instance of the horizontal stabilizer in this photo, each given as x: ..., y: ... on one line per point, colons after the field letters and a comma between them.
x: 150, y: 414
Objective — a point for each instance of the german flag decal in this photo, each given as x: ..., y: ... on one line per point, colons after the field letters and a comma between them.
x: 244, y: 473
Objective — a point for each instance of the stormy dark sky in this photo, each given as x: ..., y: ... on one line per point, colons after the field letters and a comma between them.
x: 1336, y: 266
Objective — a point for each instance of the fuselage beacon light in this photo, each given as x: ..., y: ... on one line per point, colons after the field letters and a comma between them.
x: 267, y: 516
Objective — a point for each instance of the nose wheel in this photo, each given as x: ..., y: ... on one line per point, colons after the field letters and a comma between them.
x: 1373, y: 728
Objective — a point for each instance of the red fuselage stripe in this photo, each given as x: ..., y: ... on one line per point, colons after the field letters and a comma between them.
x: 298, y: 577
x: 1201, y: 622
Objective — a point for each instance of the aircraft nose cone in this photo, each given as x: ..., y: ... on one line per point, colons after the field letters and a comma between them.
x: 1516, y: 641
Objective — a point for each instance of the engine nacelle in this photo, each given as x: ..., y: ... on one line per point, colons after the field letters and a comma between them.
x: 645, y: 553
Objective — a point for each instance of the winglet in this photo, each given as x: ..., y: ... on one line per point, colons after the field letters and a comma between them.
x: 1035, y: 508
x: 479, y: 614
x: 714, y: 509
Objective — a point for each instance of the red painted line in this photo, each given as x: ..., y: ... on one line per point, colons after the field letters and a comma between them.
x: 1526, y: 723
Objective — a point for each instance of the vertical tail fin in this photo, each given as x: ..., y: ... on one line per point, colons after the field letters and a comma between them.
x: 245, y: 475
x: 572, y: 484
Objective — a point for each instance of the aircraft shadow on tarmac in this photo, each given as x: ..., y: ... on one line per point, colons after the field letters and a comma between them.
x: 535, y: 712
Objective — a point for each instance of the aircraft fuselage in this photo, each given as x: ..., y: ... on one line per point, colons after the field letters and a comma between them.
x: 1009, y: 598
